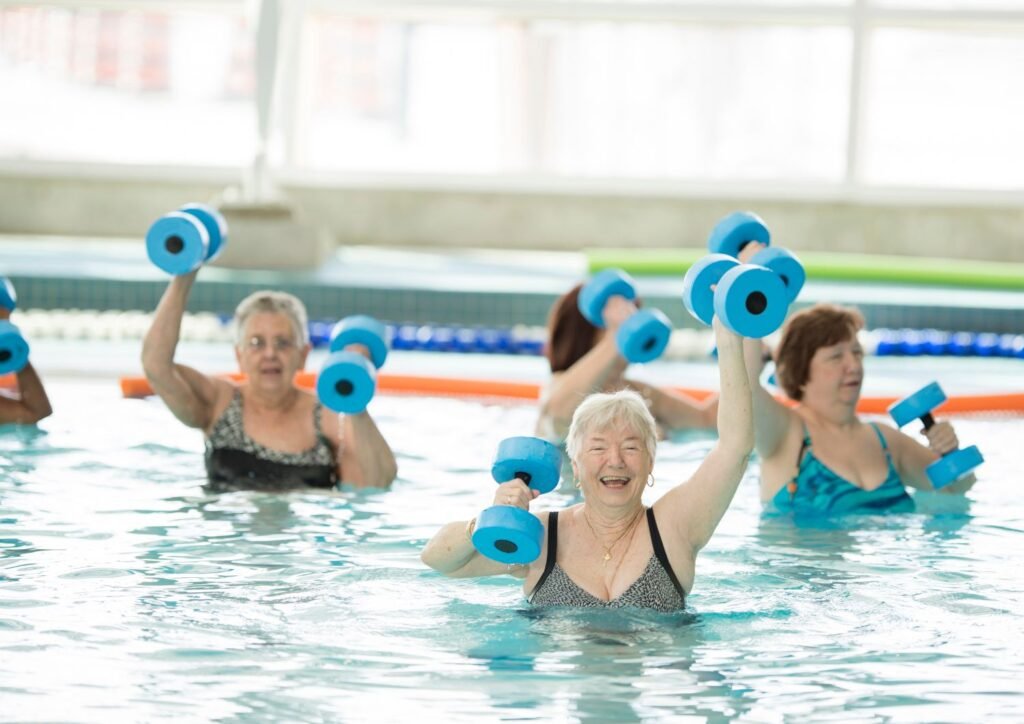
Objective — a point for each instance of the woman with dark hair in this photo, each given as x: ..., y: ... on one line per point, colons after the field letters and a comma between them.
x: 819, y: 456
x: 585, y: 359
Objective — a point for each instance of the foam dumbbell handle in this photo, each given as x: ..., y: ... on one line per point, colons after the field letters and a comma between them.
x: 786, y: 265
x: 918, y: 406
x: 595, y: 294
x: 534, y: 461
x: 735, y: 231
x: 178, y: 243
x: 644, y: 336
x: 8, y: 297
x: 508, y: 535
x: 751, y: 301
x: 346, y: 383
x: 13, y: 349
x: 364, y: 330
x: 698, y: 294
x: 214, y: 223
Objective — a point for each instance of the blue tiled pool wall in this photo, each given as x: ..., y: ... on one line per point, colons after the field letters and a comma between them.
x: 445, y: 307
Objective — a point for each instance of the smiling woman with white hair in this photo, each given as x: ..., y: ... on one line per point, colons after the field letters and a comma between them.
x: 265, y: 432
x: 612, y: 551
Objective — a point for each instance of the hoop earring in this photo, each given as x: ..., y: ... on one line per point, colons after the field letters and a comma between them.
x: 577, y: 483
x: 650, y: 480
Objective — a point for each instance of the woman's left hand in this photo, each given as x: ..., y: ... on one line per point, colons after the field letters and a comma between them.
x: 942, y: 438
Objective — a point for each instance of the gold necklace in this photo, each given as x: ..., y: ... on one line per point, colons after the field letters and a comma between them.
x: 627, y: 529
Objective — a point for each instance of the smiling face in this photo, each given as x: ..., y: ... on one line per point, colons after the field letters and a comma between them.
x: 268, y: 352
x: 836, y: 373
x: 613, y: 466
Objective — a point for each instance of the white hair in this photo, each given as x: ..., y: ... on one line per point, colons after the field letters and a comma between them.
x: 605, y: 410
x: 277, y: 303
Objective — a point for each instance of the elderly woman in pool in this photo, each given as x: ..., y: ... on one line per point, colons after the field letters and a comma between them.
x: 819, y: 456
x: 266, y: 432
x: 585, y: 359
x: 611, y: 551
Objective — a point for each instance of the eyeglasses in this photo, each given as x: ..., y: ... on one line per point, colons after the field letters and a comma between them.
x: 280, y: 344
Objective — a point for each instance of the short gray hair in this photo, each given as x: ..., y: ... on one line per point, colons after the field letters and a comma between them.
x: 603, y: 410
x: 267, y: 300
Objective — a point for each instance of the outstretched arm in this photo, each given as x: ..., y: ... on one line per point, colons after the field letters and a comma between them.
x: 31, y: 404
x: 451, y: 550
x: 189, y: 394
x: 676, y: 410
x: 697, y: 506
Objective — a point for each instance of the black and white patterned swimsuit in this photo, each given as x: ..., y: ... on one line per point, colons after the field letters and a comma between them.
x: 234, y: 461
x: 657, y: 587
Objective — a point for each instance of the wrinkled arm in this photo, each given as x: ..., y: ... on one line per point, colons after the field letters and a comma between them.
x: 31, y: 404
x: 697, y: 506
x: 189, y: 394
x: 366, y: 459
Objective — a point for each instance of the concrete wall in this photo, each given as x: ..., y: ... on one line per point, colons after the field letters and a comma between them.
x: 557, y: 219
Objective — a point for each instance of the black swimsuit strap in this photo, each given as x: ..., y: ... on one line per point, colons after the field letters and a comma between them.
x: 549, y: 562
x: 659, y: 553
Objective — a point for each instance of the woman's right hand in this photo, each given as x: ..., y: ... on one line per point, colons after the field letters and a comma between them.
x: 616, y: 311
x: 515, y: 493
x: 749, y: 250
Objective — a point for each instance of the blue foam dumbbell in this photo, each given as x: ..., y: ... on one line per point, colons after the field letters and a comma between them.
x: 641, y: 338
x: 786, y: 266
x: 348, y: 381
x: 750, y: 300
x: 13, y: 349
x: 505, y: 533
x: 735, y: 231
x: 953, y: 465
x: 182, y: 241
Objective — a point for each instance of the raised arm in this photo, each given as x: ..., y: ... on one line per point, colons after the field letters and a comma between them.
x: 365, y: 459
x: 696, y: 507
x: 190, y: 395
x: 31, y: 403
x: 772, y: 419
x: 678, y: 411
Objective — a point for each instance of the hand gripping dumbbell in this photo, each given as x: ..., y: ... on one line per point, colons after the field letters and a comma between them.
x: 13, y: 347
x: 750, y: 300
x: 953, y: 465
x: 182, y: 241
x: 642, y: 337
x: 348, y: 380
x: 505, y: 533
x: 740, y: 228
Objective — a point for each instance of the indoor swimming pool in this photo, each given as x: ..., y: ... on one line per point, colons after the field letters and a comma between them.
x: 127, y: 593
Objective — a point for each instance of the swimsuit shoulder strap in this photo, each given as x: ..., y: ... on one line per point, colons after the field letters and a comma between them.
x: 549, y: 562
x: 660, y: 554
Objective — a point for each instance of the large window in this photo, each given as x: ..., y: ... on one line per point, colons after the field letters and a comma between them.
x: 146, y: 86
x: 837, y: 93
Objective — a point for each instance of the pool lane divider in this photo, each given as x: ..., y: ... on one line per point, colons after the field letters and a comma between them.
x: 831, y: 266
x: 1011, y: 402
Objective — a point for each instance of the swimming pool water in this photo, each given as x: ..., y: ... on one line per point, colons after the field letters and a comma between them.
x: 126, y: 593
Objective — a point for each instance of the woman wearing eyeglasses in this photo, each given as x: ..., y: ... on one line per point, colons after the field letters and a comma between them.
x: 265, y: 433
